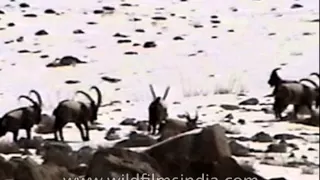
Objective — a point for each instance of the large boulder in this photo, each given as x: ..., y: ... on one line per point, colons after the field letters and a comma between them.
x: 28, y: 169
x: 194, y: 153
x: 115, y: 162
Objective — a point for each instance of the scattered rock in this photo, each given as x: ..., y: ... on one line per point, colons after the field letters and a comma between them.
x: 72, y: 82
x: 84, y: 154
x: 285, y: 136
x: 121, y: 41
x: 261, y: 137
x: 126, y: 4
x: 98, y: 11
x: 295, y: 6
x: 242, y: 121
x: 215, y: 21
x: 110, y: 79
x: 178, y: 38
x: 65, y: 61
x: 78, y: 31
x: 142, y: 125
x: 120, y: 35
x: 34, y: 143
x: 149, y: 44
x: 140, y: 30
x: 11, y: 24
x: 2, y: 12
x: 41, y: 33
x: 30, y: 15
x: 128, y: 122
x: 49, y: 11
x: 112, y: 135
x: 131, y: 53
x: 92, y: 23
x: 229, y: 107
x: 159, y: 18
x: 24, y: 5
x: 278, y: 148
x: 136, y: 140
x: 250, y: 101
x: 108, y: 8
x: 23, y: 51
x: 238, y: 149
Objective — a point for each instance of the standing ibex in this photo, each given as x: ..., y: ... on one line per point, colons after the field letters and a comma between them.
x: 288, y: 92
x: 173, y: 127
x: 157, y: 110
x: 78, y: 112
x: 21, y: 118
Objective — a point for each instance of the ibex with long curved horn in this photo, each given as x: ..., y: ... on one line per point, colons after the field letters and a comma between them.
x: 78, y: 112
x: 21, y: 118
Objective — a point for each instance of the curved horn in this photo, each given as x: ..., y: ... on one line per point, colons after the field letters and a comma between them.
x: 86, y: 95
x: 99, y: 95
x: 152, y: 91
x: 276, y: 69
x: 310, y: 81
x: 166, y: 93
x: 28, y: 98
x: 37, y: 94
x: 315, y: 74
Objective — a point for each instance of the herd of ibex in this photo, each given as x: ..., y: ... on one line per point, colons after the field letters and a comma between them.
x: 286, y: 92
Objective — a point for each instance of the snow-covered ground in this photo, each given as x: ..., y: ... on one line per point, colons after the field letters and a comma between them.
x: 235, y: 54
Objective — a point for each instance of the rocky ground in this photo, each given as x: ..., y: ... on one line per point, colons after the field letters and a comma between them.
x: 215, y: 56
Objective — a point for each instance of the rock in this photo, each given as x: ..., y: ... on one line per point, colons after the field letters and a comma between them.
x: 49, y: 11
x: 7, y: 147
x: 41, y: 33
x: 112, y: 134
x: 92, y: 23
x: 215, y: 21
x: 6, y: 169
x: 28, y: 169
x: 30, y: 15
x: 121, y: 41
x: 250, y: 101
x: 126, y: 4
x: 84, y: 154
x: 229, y: 107
x: 108, y: 8
x: 114, y: 162
x: 96, y: 127
x: 242, y: 121
x: 178, y: 38
x: 285, y: 136
x: 277, y: 148
x: 159, y: 18
x: 33, y: 143
x: 78, y: 31
x: 128, y: 122
x: 65, y: 61
x: 110, y: 79
x: 72, y: 82
x: 11, y: 24
x: 295, y: 6
x: 197, y: 153
x: 136, y: 140
x: 278, y: 178
x: 58, y: 153
x: 261, y: 137
x: 130, y: 53
x: 238, y: 149
x: 140, y: 30
x: 98, y: 11
x: 142, y: 125
x: 149, y: 44
x: 2, y: 12
x: 24, y: 5
x: 46, y: 125
x: 120, y: 35
x: 241, y: 138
